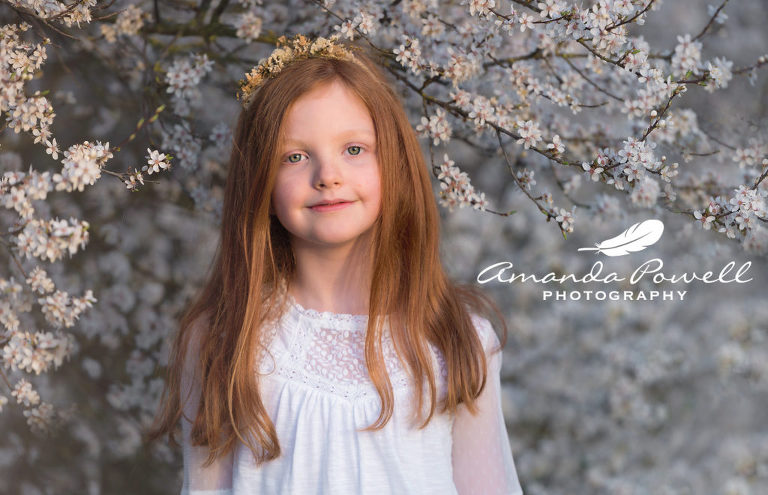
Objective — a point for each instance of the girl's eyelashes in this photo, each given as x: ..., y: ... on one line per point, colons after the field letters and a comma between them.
x: 355, y: 150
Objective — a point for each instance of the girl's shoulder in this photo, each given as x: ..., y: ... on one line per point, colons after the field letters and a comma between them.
x: 485, y: 331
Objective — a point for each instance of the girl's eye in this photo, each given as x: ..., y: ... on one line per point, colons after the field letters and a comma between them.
x: 294, y: 155
x: 358, y: 148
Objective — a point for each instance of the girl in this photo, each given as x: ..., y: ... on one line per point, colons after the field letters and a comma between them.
x: 328, y: 205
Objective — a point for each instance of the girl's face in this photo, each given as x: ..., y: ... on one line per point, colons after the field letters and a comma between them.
x: 328, y: 155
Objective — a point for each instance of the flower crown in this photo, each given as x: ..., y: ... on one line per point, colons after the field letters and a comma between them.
x: 288, y: 50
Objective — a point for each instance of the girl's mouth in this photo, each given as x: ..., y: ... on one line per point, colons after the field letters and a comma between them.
x: 331, y: 207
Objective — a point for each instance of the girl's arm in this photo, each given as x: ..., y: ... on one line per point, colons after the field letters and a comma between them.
x: 482, y: 456
x: 215, y: 479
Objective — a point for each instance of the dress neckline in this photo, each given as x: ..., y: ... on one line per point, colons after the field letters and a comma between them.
x: 326, y: 315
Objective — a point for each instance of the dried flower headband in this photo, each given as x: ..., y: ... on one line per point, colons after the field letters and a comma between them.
x: 289, y: 50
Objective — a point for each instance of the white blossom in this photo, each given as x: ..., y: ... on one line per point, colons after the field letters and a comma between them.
x: 39, y: 282
x: 25, y: 394
x: 687, y: 56
x: 646, y: 192
x: 456, y: 188
x: 530, y: 134
x: 565, y: 218
x: 248, y: 26
x: 721, y: 16
x: 720, y: 72
x: 705, y: 221
x: 409, y: 54
x: 82, y: 166
x: 156, y: 162
x: 480, y: 7
x: 436, y: 127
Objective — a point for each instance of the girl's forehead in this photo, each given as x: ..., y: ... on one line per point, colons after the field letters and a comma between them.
x: 329, y: 112
x: 331, y: 97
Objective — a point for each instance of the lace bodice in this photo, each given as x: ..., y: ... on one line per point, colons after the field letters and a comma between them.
x: 316, y: 387
x: 327, y: 352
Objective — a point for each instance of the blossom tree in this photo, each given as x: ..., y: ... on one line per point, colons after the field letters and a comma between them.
x: 570, y: 110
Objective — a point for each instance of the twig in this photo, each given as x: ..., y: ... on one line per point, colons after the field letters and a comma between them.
x: 711, y: 21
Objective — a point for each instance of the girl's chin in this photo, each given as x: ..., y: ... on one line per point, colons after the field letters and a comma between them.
x: 328, y: 239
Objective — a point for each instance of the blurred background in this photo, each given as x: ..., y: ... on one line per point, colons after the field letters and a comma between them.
x: 619, y: 397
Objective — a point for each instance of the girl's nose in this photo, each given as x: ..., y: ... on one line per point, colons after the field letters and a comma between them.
x: 327, y: 172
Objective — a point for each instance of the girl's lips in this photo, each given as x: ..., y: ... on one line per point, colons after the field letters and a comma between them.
x: 334, y: 207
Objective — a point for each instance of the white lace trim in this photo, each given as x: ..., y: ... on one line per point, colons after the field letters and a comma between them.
x: 328, y: 317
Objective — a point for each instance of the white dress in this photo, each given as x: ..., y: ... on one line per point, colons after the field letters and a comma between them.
x: 317, y: 393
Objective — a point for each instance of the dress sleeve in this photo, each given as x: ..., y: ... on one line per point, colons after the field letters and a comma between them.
x: 482, y: 456
x: 215, y: 479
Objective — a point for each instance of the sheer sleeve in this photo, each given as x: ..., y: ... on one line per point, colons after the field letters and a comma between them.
x: 215, y: 479
x: 482, y: 456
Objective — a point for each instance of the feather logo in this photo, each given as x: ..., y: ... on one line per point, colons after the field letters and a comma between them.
x: 636, y: 238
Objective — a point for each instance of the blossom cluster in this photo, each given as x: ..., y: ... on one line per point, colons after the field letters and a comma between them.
x: 687, y: 56
x: 739, y: 213
x: 530, y: 134
x: 719, y: 72
x: 565, y: 218
x: 19, y: 61
x: 185, y: 146
x: 637, y: 157
x: 50, y: 239
x: 61, y: 12
x: 60, y: 309
x: 41, y: 417
x: 436, y: 127
x: 156, y: 162
x: 82, y: 166
x: 456, y: 188
x: 645, y: 192
x: 248, y: 26
x: 36, y: 352
x: 19, y: 189
x: 408, y: 54
x: 25, y: 394
x: 461, y: 66
x: 128, y: 23
x: 183, y: 78
x: 753, y: 153
x: 33, y: 237
x: 480, y: 7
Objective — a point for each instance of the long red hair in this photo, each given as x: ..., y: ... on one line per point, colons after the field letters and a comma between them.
x: 254, y: 257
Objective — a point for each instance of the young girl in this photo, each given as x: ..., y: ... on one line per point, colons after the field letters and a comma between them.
x: 329, y: 352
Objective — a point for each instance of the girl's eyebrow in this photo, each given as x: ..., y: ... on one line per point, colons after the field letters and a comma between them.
x: 341, y: 135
